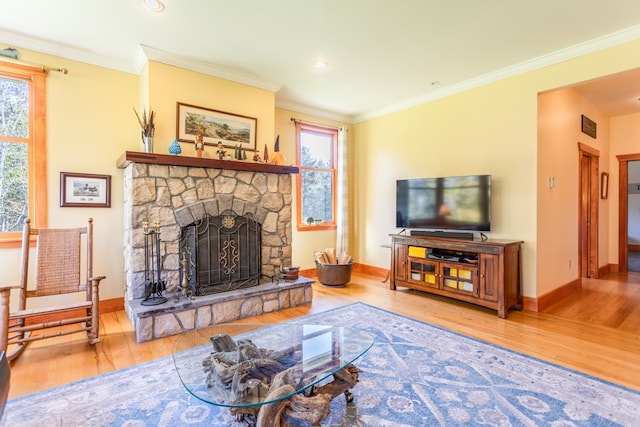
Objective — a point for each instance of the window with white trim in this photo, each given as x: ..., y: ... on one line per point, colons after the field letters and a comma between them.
x: 316, y: 190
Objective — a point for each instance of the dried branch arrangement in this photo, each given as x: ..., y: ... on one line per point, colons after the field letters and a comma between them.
x: 146, y: 123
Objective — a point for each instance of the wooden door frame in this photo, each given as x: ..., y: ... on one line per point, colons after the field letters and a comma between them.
x: 594, y: 198
x: 623, y: 207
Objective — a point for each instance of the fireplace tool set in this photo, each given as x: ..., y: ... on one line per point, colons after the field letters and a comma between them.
x: 154, y: 285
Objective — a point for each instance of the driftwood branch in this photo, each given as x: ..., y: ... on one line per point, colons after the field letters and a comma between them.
x: 242, y: 368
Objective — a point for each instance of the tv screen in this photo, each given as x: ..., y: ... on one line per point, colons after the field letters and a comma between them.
x: 445, y: 203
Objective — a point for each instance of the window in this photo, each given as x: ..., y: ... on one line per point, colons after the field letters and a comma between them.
x: 316, y: 157
x: 22, y: 150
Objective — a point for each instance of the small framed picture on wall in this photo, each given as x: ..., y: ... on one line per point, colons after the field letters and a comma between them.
x: 85, y: 190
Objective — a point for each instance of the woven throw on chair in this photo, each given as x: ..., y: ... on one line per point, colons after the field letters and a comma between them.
x: 58, y: 267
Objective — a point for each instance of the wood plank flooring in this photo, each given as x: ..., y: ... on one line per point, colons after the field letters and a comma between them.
x: 595, y: 331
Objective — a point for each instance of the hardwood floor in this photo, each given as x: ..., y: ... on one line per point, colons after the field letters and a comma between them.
x: 595, y: 331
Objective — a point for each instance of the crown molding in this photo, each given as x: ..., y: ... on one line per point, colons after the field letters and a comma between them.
x: 192, y: 64
x: 35, y: 44
x: 146, y: 53
x: 610, y: 40
x: 313, y: 111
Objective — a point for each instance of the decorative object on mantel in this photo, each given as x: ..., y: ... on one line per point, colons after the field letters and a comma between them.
x: 266, y: 154
x: 147, y: 129
x: 175, y: 148
x: 256, y: 157
x: 221, y: 151
x: 199, y: 145
x: 278, y: 157
x: 240, y: 153
x: 129, y: 157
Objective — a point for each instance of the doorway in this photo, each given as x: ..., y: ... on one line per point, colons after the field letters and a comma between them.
x: 588, y: 211
x: 628, y: 222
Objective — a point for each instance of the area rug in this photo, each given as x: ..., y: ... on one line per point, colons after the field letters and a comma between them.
x: 414, y: 375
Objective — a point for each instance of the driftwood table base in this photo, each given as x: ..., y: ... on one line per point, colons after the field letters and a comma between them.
x: 271, y: 376
x: 312, y: 407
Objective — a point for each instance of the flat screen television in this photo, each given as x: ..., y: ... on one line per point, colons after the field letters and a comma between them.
x: 444, y: 203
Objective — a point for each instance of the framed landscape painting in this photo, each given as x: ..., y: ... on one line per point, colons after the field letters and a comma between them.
x: 215, y: 126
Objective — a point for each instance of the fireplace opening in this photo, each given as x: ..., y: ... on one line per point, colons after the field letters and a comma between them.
x: 222, y: 253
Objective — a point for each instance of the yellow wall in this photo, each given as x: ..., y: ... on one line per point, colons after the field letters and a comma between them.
x: 491, y: 129
x: 169, y: 85
x: 559, y: 131
x: 457, y: 135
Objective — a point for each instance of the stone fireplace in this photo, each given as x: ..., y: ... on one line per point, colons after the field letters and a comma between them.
x: 211, y: 212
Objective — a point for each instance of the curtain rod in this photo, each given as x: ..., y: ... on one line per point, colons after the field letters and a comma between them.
x: 31, y: 64
x: 304, y: 122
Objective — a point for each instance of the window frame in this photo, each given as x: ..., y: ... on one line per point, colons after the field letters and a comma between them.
x: 37, y: 148
x: 324, y: 130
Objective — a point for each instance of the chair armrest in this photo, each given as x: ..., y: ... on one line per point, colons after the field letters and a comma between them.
x: 97, y: 279
x: 8, y: 288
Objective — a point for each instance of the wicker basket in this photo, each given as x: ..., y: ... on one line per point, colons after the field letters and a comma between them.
x: 334, y: 274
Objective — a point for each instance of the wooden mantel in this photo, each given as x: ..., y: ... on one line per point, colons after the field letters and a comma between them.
x: 170, y: 160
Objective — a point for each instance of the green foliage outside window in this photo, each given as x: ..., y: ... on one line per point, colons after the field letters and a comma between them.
x: 317, y: 176
x: 14, y: 160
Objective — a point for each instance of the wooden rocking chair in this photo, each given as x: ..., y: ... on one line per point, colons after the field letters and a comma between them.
x: 60, y: 255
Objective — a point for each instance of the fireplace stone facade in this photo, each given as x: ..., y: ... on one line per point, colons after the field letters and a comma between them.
x: 166, y: 190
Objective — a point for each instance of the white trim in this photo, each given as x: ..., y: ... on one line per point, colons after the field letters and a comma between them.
x: 136, y: 64
x: 575, y: 51
x: 209, y: 69
x: 314, y: 111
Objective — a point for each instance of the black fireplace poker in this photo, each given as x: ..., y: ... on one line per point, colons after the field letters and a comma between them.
x: 153, y: 284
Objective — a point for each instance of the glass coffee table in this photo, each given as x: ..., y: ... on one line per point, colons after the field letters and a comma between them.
x: 266, y: 372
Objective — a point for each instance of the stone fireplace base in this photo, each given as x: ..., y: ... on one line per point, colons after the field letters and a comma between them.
x: 182, y: 314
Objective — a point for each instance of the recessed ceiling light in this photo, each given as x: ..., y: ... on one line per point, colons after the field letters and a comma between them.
x: 320, y: 64
x: 153, y: 5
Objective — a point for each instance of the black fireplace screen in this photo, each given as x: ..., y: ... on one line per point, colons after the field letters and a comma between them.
x: 223, y: 253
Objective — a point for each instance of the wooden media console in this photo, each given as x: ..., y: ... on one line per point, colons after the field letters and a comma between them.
x: 482, y: 272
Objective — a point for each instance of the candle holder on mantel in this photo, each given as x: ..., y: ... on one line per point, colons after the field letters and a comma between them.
x: 153, y: 284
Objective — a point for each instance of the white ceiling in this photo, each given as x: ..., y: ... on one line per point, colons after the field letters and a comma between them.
x: 383, y: 55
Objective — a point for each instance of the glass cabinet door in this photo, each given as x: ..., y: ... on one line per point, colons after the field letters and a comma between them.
x: 423, y: 272
x: 460, y: 278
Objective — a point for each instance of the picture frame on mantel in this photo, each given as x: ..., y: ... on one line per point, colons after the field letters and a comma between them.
x: 215, y: 126
x: 84, y: 190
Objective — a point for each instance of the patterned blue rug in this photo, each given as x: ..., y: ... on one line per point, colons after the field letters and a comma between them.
x: 414, y: 375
